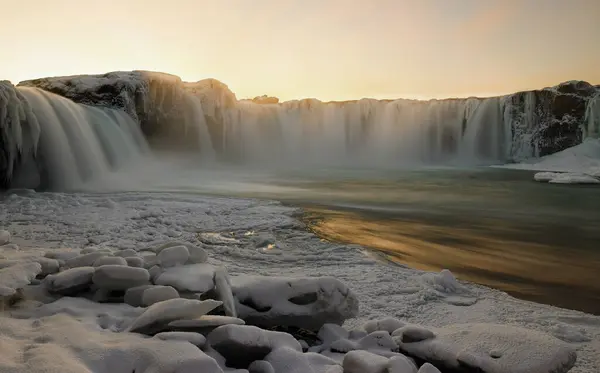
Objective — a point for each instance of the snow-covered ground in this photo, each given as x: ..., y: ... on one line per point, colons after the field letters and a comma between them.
x: 576, y: 165
x: 259, y: 238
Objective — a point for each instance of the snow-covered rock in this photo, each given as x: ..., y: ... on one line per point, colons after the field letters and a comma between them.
x: 428, y: 368
x: 155, y: 294
x: 196, y: 254
x: 109, y: 260
x: 204, y: 324
x: 135, y: 261
x: 195, y: 278
x: 223, y: 291
x: 159, y: 315
x: 388, y: 324
x: 17, y: 276
x: 173, y: 256
x: 196, y: 339
x: 261, y: 366
x: 240, y: 345
x: 71, y: 281
x: 62, y: 254
x: 307, y: 303
x: 364, y: 362
x: 4, y: 237
x: 118, y: 277
x: 49, y: 266
x: 492, y: 349
x: 401, y: 364
x: 85, y: 260
x: 134, y: 296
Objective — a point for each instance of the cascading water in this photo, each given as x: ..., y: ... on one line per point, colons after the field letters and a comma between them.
x: 78, y: 143
x: 592, y: 118
x: 369, y: 132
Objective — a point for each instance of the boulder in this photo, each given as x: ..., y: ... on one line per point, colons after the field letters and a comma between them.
x: 195, y: 278
x: 196, y: 339
x: 4, y: 237
x: 135, y: 261
x: 476, y: 347
x: 70, y: 282
x: 110, y: 260
x: 117, y: 277
x: 155, y: 294
x: 240, y: 345
x: 364, y: 362
x: 133, y: 296
x: 85, y: 260
x: 204, y: 324
x: 159, y: 315
x: 173, y: 256
x: 306, y: 303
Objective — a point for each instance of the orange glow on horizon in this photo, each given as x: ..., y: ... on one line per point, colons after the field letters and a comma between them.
x: 295, y: 49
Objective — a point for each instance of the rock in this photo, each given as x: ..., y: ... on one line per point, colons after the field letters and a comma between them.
x: 378, y: 341
x: 240, y: 345
x: 412, y: 333
x: 284, y: 359
x: 468, y: 347
x: 195, y: 278
x: 331, y: 333
x: 223, y: 290
x: 204, y: 324
x: 388, y: 324
x: 117, y: 277
x: 173, y: 256
x: 126, y: 253
x: 155, y: 294
x: 154, y: 272
x: 196, y: 339
x: 306, y: 303
x: 85, y: 260
x: 133, y: 296
x: 149, y: 258
x: 196, y: 254
x: 159, y: 315
x: 70, y: 282
x: 428, y: 368
x: 15, y: 277
x: 110, y: 260
x: 4, y: 237
x: 49, y: 266
x: 62, y: 254
x: 364, y: 362
x: 401, y: 364
x: 134, y: 261
x: 261, y: 366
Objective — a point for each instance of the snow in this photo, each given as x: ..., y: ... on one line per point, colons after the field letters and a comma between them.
x: 581, y: 159
x: 80, y: 332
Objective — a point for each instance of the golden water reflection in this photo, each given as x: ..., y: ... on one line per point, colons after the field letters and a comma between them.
x: 483, y: 253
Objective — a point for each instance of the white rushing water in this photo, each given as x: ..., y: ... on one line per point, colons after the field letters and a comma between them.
x: 78, y: 143
x: 369, y: 132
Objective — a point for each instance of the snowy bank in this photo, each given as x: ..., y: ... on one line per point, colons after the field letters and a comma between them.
x: 579, y: 164
x: 406, y: 316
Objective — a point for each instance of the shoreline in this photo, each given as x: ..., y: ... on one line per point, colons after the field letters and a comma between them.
x: 136, y: 219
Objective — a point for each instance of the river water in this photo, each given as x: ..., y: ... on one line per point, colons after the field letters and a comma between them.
x: 491, y: 226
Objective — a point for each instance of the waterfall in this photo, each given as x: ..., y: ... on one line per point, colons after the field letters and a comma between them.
x: 196, y: 123
x: 592, y: 118
x: 78, y: 143
x: 368, y: 132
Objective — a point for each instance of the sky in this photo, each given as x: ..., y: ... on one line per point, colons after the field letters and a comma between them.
x: 327, y: 49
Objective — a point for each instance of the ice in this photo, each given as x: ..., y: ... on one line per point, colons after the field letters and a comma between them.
x: 65, y: 223
x: 389, y: 324
x: 428, y: 368
x: 71, y: 281
x: 571, y: 178
x: 17, y: 276
x: 109, y: 260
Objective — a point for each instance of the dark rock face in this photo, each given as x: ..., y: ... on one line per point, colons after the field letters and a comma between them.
x: 551, y: 119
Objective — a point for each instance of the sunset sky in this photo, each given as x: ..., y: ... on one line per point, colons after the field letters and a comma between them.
x: 328, y: 49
